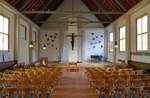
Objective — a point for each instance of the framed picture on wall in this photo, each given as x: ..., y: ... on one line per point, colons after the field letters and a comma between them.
x: 23, y: 32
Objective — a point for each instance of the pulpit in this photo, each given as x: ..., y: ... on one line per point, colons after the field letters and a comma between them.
x: 44, y: 61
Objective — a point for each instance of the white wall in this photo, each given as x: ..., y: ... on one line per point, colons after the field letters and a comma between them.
x: 65, y: 48
x: 35, y: 39
x: 16, y: 18
x: 23, y: 42
x: 108, y: 55
x: 119, y: 54
x: 129, y: 20
x: 4, y: 11
x: 18, y: 49
x: 134, y: 16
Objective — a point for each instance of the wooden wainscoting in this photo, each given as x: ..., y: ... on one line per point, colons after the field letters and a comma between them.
x: 7, y: 65
x: 140, y: 65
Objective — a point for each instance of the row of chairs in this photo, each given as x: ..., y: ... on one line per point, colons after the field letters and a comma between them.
x: 123, y: 83
x: 33, y: 82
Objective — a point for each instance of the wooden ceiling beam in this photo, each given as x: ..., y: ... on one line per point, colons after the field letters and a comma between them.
x: 70, y: 12
x: 104, y: 22
x: 97, y: 3
x: 24, y: 5
x: 118, y: 2
x: 45, y: 6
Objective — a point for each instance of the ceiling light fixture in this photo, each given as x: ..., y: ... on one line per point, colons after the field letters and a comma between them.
x: 116, y: 45
x: 31, y: 45
x: 44, y: 47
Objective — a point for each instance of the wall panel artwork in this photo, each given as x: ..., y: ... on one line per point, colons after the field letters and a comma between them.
x: 93, y: 44
x: 96, y: 41
x: 51, y: 40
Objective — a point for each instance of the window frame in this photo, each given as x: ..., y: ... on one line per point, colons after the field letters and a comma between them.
x: 110, y: 42
x: 121, y: 39
x: 140, y: 17
x: 4, y: 16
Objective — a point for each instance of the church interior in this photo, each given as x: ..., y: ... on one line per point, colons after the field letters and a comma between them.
x: 74, y: 49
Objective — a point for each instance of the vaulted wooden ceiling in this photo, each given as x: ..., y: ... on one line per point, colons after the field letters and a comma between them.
x: 93, y: 5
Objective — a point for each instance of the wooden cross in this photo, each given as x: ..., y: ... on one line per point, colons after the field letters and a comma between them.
x: 73, y: 39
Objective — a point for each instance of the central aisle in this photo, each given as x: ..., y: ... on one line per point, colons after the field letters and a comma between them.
x: 74, y: 84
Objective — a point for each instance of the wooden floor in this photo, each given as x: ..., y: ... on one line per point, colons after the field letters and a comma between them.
x: 74, y: 84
